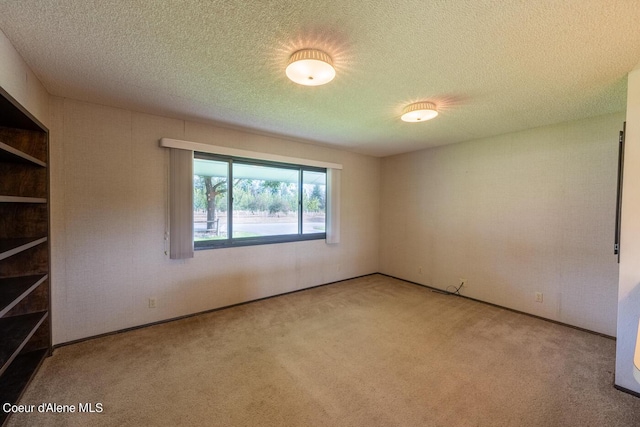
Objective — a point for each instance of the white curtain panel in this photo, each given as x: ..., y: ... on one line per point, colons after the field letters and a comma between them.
x: 333, y: 206
x: 181, y: 204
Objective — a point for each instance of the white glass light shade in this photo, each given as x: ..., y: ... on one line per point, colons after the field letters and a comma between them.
x: 419, y: 112
x: 310, y: 67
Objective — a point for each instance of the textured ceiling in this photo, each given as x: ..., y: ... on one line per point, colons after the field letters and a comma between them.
x: 490, y: 66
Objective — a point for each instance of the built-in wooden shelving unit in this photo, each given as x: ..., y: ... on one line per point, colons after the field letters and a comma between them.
x: 25, y: 325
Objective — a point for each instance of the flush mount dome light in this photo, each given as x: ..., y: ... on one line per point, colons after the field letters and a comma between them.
x: 419, y: 112
x: 310, y: 67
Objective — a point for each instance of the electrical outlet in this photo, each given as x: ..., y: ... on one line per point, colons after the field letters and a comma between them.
x: 538, y: 296
x: 152, y: 303
x: 462, y: 281
x: 419, y: 270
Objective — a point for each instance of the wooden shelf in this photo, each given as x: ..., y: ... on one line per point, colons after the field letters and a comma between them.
x: 18, y: 199
x: 18, y: 375
x: 15, y: 289
x: 8, y: 153
x: 17, y: 332
x: 10, y: 247
x: 25, y: 273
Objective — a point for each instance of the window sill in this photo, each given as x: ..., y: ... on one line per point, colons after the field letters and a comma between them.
x: 254, y: 241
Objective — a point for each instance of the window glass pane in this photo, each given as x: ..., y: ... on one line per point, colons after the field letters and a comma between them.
x: 265, y: 201
x: 314, y: 191
x: 210, y: 179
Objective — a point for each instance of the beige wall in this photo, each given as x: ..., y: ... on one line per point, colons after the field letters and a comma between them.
x: 521, y: 213
x: 109, y: 177
x: 629, y: 285
x: 17, y: 78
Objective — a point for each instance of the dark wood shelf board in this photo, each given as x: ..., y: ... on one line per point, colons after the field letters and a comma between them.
x: 15, y: 289
x: 17, y: 377
x: 10, y: 154
x: 10, y: 247
x: 19, y: 199
x: 12, y: 114
x: 17, y: 331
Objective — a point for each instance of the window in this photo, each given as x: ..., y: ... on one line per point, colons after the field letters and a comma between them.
x: 318, y: 203
x: 238, y: 201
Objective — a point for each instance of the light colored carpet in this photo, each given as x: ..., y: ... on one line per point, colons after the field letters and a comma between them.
x: 372, y: 351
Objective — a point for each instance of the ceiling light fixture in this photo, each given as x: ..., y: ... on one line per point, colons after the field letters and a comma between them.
x: 419, y: 112
x: 310, y: 67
